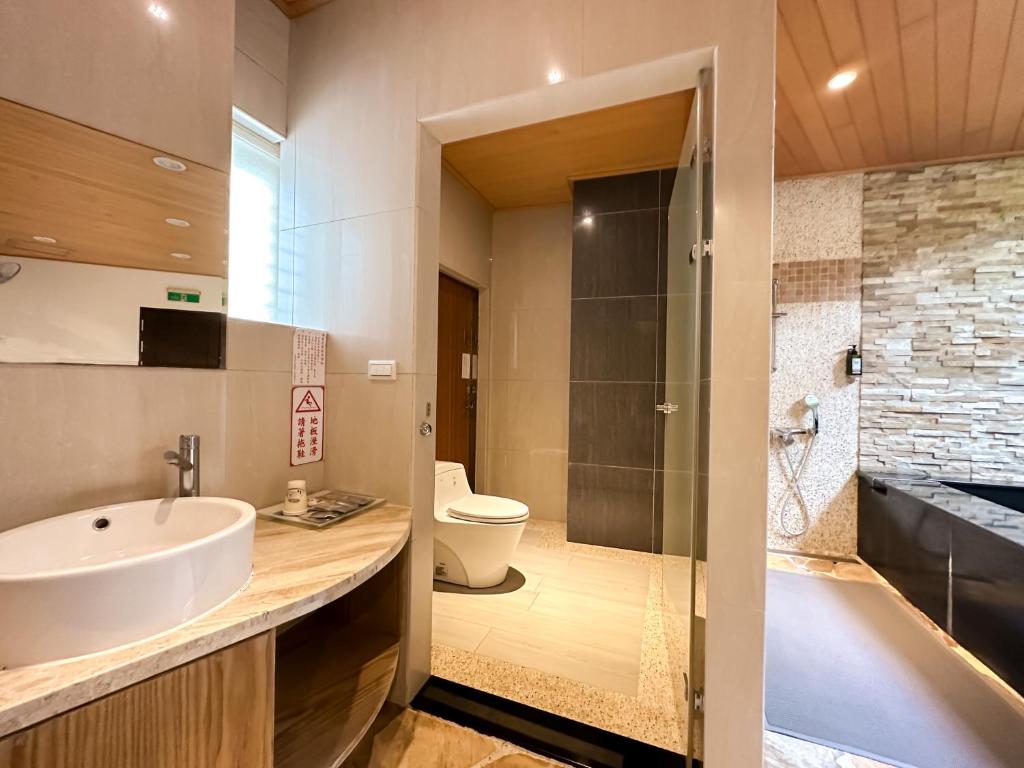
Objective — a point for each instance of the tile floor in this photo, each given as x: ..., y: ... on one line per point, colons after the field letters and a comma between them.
x: 583, y: 637
x: 589, y: 636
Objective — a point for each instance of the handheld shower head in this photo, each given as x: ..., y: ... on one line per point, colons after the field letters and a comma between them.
x: 812, y: 402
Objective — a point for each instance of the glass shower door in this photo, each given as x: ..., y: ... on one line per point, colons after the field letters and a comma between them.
x: 682, y: 404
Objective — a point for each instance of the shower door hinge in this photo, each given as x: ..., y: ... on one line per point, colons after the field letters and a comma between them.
x: 666, y: 407
x: 698, y: 699
x: 707, y: 247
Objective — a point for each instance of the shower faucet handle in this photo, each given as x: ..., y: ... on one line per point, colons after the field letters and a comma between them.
x: 666, y: 408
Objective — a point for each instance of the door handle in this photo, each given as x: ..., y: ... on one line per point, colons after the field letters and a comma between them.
x: 667, y: 407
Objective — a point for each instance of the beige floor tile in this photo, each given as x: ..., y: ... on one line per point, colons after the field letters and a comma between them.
x: 521, y: 599
x: 593, y: 666
x: 556, y: 602
x: 605, y: 630
x: 602, y: 570
x: 631, y: 594
x: 457, y: 633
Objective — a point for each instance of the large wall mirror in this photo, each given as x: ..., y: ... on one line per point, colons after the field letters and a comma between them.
x: 111, y: 252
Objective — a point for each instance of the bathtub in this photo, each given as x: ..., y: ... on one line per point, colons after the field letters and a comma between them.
x: 955, y: 550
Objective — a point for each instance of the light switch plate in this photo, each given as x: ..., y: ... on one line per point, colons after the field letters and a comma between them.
x: 382, y: 370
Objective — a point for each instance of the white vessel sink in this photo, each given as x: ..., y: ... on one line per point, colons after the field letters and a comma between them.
x: 92, y: 580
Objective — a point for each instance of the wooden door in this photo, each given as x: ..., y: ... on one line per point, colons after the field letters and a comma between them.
x: 457, y: 338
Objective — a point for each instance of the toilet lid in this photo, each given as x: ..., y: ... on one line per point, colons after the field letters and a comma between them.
x: 488, y: 509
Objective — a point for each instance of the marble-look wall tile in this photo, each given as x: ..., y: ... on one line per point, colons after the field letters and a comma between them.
x: 528, y: 394
x: 257, y: 460
x: 360, y: 277
x: 369, y: 435
x: 114, y: 67
x: 491, y: 48
x: 83, y: 436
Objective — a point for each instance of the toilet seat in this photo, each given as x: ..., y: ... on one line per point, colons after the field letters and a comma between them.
x: 479, y: 508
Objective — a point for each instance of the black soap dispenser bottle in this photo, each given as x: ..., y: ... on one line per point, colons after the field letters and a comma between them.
x: 854, y: 361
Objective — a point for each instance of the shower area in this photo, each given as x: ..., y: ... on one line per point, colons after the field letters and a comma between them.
x: 590, y: 395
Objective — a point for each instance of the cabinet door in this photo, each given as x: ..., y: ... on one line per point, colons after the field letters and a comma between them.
x: 215, y: 712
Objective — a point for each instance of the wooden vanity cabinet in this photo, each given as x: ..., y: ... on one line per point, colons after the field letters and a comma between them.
x: 299, y: 696
x: 210, y: 713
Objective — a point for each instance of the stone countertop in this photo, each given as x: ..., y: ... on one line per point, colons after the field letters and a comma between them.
x: 995, y: 518
x: 295, y: 571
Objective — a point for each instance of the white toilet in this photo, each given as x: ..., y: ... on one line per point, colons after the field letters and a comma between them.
x: 475, y: 536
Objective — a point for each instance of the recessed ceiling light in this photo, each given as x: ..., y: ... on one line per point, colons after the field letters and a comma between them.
x: 178, y: 222
x: 158, y: 12
x: 45, y: 239
x: 182, y: 256
x: 170, y: 164
x: 555, y: 76
x: 588, y: 220
x: 841, y: 79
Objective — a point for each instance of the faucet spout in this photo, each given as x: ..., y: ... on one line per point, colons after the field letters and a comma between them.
x: 186, y: 459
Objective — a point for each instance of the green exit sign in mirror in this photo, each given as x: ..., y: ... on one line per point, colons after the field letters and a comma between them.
x: 186, y: 295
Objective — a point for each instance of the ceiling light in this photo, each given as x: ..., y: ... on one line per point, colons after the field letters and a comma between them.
x: 170, y: 164
x: 182, y: 256
x: 588, y: 220
x: 178, y: 222
x: 158, y: 12
x: 841, y: 79
x: 555, y: 76
x: 45, y: 239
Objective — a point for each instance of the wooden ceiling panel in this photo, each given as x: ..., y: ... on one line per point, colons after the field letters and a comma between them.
x: 103, y: 199
x: 804, y: 25
x: 938, y: 80
x: 535, y: 164
x: 842, y: 25
x: 992, y: 24
x: 954, y: 32
x: 295, y: 8
x: 917, y: 43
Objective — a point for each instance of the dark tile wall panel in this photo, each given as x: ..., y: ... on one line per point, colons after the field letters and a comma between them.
x: 614, y: 339
x: 617, y: 349
x: 612, y: 194
x: 611, y: 423
x: 616, y: 254
x: 613, y: 506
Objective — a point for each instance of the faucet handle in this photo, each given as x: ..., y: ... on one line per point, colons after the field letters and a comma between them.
x: 174, y: 458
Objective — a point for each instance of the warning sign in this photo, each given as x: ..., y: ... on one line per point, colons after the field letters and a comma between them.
x: 308, y: 403
x: 307, y: 417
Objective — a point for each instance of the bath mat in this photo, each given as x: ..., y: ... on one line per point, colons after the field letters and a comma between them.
x: 848, y: 667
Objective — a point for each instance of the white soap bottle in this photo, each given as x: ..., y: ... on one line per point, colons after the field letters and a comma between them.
x: 295, y: 502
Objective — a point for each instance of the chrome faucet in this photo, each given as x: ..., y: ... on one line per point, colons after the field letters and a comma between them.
x: 186, y: 459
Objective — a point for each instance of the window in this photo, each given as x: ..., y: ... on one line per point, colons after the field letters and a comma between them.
x: 259, y: 288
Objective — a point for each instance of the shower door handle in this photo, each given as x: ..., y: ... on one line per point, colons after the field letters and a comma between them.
x: 667, y: 408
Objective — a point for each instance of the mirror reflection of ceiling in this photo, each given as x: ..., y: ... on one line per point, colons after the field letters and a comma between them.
x: 536, y: 164
x: 295, y: 8
x: 934, y: 82
x: 72, y: 193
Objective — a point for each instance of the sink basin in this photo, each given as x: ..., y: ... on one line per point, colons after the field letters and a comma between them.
x: 95, y: 579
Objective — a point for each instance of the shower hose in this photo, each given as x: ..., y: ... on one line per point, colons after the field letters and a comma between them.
x: 795, y: 472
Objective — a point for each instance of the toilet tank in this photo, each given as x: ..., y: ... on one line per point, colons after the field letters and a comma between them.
x: 450, y: 484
